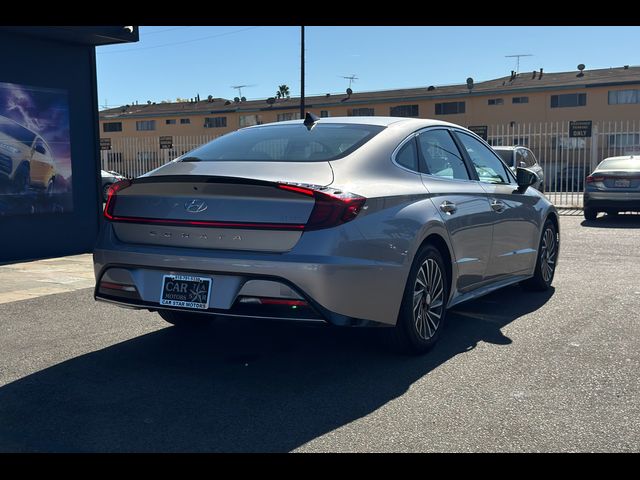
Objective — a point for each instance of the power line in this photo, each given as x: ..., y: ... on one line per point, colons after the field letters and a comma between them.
x: 180, y: 43
x: 162, y: 31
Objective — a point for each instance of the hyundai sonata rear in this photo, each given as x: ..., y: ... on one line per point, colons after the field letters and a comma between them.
x: 331, y: 220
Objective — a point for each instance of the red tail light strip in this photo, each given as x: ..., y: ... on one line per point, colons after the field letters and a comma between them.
x: 205, y: 223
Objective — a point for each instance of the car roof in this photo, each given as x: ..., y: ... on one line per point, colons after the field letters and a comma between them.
x: 509, y: 147
x: 369, y: 120
x: 623, y: 157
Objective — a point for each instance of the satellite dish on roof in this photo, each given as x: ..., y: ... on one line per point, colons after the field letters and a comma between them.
x: 349, y: 91
x: 430, y: 88
x: 469, y: 83
x: 243, y: 99
x: 236, y: 99
x: 581, y: 67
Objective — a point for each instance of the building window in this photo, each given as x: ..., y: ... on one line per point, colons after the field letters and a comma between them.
x: 185, y: 121
x: 567, y: 143
x: 324, y: 113
x: 404, y: 111
x: 624, y: 140
x: 617, y: 97
x: 249, y: 120
x: 143, y: 125
x: 215, y: 122
x: 360, y: 112
x: 112, y: 127
x: 283, y: 117
x: 495, y: 101
x: 450, y: 108
x: 171, y: 121
x: 147, y: 156
x: 520, y: 100
x: 569, y: 100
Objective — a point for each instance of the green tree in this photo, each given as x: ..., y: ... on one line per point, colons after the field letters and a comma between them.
x: 283, y: 91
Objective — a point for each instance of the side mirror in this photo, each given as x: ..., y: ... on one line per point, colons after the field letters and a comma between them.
x: 525, y: 178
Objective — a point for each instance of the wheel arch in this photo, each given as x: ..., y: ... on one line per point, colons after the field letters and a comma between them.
x: 438, y: 241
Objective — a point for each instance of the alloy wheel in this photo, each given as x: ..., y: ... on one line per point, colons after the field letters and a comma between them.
x: 548, y: 254
x: 428, y: 295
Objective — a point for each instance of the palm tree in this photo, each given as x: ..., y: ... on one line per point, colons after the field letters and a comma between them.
x: 283, y: 91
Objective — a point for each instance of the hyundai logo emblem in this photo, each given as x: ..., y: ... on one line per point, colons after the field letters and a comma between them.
x: 195, y: 206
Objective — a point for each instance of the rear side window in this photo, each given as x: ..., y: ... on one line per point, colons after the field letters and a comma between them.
x: 506, y: 156
x: 286, y: 143
x: 441, y: 156
x: 529, y: 158
x: 408, y: 155
x: 487, y: 165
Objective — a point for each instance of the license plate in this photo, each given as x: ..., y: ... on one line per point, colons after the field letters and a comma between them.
x: 622, y: 183
x: 185, y: 291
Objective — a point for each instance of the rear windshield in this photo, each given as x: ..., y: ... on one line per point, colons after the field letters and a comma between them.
x: 286, y: 143
x: 620, y: 164
x: 506, y: 156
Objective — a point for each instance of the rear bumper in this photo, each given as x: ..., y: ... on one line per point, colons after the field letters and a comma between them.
x: 614, y: 200
x: 341, y: 290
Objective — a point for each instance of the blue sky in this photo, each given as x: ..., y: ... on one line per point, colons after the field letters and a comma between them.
x: 177, y: 61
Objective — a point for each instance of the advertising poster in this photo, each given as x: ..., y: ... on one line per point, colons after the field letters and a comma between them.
x: 35, y: 150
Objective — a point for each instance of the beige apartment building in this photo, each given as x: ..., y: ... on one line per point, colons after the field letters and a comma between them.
x: 611, y: 94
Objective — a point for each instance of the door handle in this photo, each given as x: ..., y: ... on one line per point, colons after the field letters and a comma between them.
x: 498, y: 206
x: 448, y: 207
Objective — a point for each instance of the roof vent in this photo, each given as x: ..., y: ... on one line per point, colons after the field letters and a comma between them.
x: 271, y: 100
x: 210, y: 98
x: 513, y: 75
x: 540, y: 76
x: 431, y: 88
x: 349, y: 92
x: 581, y: 68
x: 227, y: 102
x: 534, y: 74
x: 327, y: 95
x: 626, y: 67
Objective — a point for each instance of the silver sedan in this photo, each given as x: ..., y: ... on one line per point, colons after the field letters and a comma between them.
x: 613, y: 187
x: 358, y: 221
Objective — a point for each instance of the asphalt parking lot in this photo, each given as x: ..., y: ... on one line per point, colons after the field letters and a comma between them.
x: 515, y: 371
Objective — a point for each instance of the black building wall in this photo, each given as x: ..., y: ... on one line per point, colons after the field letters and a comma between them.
x: 47, y: 63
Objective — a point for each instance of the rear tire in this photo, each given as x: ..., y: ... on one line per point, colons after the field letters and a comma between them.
x: 547, y: 259
x: 590, y: 214
x: 423, y: 309
x: 185, y: 320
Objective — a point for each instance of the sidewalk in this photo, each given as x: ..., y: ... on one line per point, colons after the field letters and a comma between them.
x: 21, y: 281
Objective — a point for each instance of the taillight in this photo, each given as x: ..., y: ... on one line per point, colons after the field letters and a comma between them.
x: 111, y: 196
x: 591, y: 179
x: 332, y: 206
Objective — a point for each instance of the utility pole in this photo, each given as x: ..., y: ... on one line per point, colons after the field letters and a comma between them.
x: 302, y: 72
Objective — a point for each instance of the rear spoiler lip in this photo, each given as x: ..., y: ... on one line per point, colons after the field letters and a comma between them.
x: 203, y: 179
